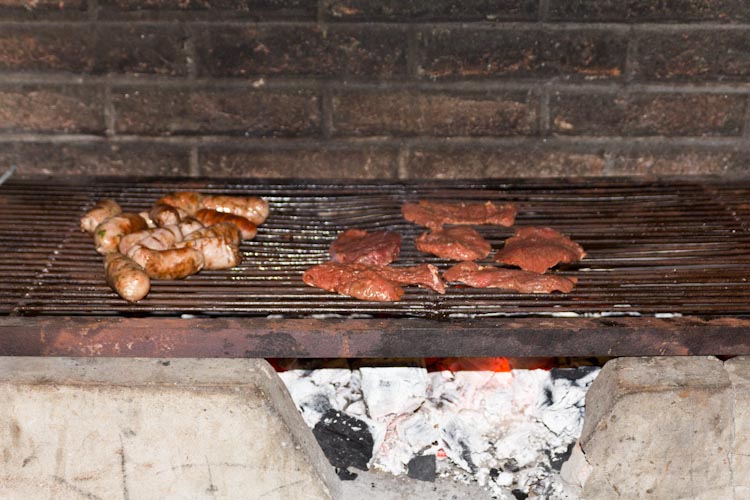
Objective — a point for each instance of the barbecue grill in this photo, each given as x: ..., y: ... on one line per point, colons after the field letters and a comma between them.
x: 666, y: 273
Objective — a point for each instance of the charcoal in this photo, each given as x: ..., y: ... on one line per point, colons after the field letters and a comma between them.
x: 423, y: 467
x: 346, y: 441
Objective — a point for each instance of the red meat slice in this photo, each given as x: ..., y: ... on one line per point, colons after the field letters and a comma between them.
x: 355, y: 280
x: 455, y: 243
x: 478, y: 276
x: 424, y: 275
x: 433, y: 214
x: 370, y: 282
x: 539, y: 248
x: 378, y: 248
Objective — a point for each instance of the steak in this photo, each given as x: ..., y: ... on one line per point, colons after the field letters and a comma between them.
x: 355, y: 280
x: 378, y: 248
x: 371, y: 282
x: 434, y: 214
x: 455, y: 243
x: 474, y: 275
x: 539, y: 248
x: 424, y: 275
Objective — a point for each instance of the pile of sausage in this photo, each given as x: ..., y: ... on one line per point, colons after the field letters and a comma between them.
x: 183, y: 233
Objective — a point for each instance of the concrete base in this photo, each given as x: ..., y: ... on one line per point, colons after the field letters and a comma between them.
x: 666, y: 428
x: 138, y: 429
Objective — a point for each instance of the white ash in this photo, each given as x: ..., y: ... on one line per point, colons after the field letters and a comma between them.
x: 505, y: 430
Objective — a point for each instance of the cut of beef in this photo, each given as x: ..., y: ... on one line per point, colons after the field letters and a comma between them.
x: 539, y: 248
x: 455, y: 243
x: 433, y: 214
x: 378, y: 248
x: 355, y: 280
x: 478, y: 276
x: 424, y: 275
x: 372, y: 282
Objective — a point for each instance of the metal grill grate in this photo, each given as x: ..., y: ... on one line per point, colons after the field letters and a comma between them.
x: 655, y: 248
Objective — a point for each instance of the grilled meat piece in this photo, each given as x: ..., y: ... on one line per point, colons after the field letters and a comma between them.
x: 434, y: 214
x: 225, y: 230
x: 424, y: 275
x: 218, y: 253
x: 355, y: 280
x: 188, y: 201
x: 126, y: 277
x: 149, y: 222
x: 188, y: 226
x: 478, y: 276
x: 378, y: 248
x: 209, y: 217
x: 175, y: 263
x: 539, y: 248
x: 107, y: 235
x: 455, y: 243
x: 252, y: 208
x: 103, y: 210
x: 165, y: 215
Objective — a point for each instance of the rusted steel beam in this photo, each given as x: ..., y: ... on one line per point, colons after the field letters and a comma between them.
x: 353, y: 338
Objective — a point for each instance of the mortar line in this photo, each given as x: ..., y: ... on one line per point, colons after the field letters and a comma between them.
x: 402, y: 162
x: 194, y: 168
x: 412, y: 66
x: 631, y: 58
x: 320, y: 15
x: 746, y: 131
x: 93, y: 9
x: 110, y: 117
x: 543, y: 10
x: 326, y: 112
x: 191, y: 54
x: 544, y: 112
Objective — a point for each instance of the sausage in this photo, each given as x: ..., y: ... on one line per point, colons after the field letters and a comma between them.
x: 175, y: 263
x: 162, y: 238
x: 188, y: 225
x: 103, y: 210
x: 129, y: 240
x: 150, y: 223
x: 252, y: 208
x: 210, y: 217
x: 225, y: 230
x: 108, y: 234
x: 218, y: 253
x: 188, y: 201
x: 126, y: 277
x: 165, y: 215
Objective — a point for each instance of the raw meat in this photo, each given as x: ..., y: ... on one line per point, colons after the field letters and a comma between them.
x: 355, y: 280
x: 539, y: 248
x: 478, y: 276
x: 455, y: 243
x: 424, y: 275
x: 433, y: 214
x: 372, y: 282
x: 378, y: 248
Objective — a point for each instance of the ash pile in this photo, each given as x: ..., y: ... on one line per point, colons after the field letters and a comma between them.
x: 471, y: 420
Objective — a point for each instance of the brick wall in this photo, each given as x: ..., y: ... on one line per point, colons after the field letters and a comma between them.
x: 375, y: 89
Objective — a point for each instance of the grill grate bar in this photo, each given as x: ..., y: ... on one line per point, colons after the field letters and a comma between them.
x: 654, y: 247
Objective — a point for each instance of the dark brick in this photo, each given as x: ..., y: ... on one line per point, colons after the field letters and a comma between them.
x: 33, y: 108
x: 210, y: 9
x: 168, y: 111
x: 694, y: 55
x: 478, y: 161
x: 46, y: 48
x: 364, y: 162
x: 365, y: 52
x: 141, y: 49
x: 685, y: 161
x: 648, y: 10
x: 43, y: 9
x: 481, y: 53
x: 427, y: 10
x: 433, y: 113
x: 647, y: 114
x: 100, y: 158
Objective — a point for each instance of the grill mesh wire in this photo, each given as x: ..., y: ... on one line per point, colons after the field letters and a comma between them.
x: 654, y: 247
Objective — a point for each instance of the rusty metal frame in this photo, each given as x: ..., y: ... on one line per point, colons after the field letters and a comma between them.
x: 233, y: 337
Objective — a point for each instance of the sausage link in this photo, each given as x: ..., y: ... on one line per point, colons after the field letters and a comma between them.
x: 189, y: 201
x: 165, y: 215
x: 108, y: 234
x: 252, y: 208
x: 225, y: 230
x: 175, y: 263
x: 210, y: 217
x: 103, y: 210
x: 218, y: 253
x: 126, y: 277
